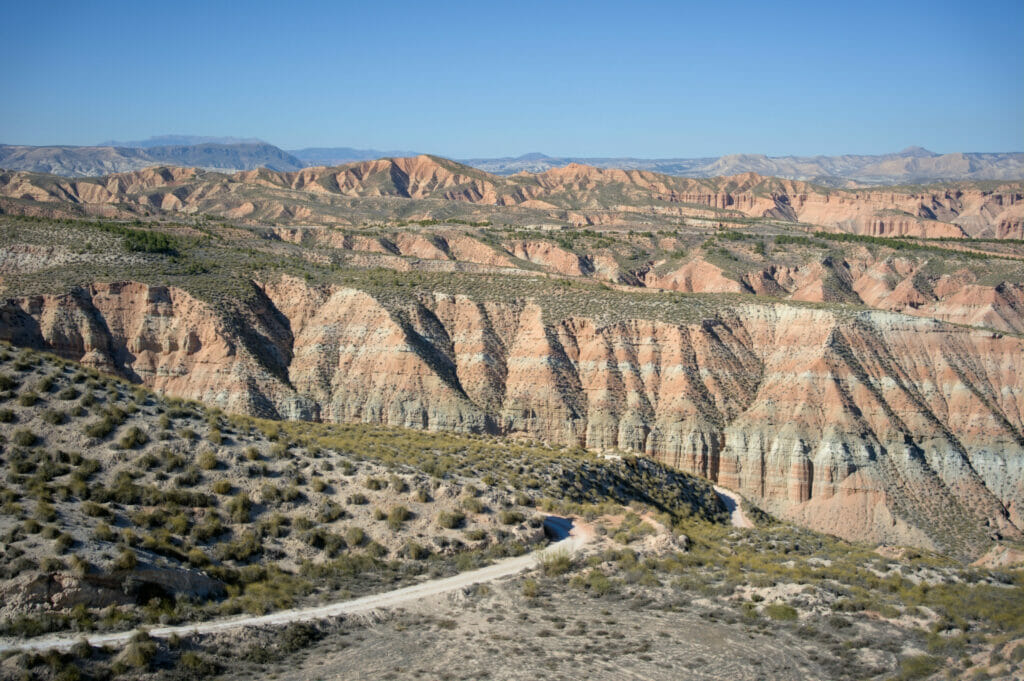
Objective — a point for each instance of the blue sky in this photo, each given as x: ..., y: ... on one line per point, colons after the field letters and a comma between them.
x: 650, y: 79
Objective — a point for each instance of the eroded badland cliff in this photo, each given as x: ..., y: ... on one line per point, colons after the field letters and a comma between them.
x: 869, y: 388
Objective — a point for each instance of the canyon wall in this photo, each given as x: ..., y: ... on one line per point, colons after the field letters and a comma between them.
x: 872, y: 425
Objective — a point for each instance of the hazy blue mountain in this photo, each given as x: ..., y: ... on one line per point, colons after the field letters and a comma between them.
x: 909, y: 166
x: 333, y: 156
x: 91, y: 161
x: 180, y: 140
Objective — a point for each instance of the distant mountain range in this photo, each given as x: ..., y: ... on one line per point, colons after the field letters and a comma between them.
x: 180, y: 140
x: 334, y: 156
x: 102, y: 160
x: 913, y: 165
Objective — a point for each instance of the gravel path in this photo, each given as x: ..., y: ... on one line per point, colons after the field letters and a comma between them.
x: 734, y: 503
x: 388, y: 599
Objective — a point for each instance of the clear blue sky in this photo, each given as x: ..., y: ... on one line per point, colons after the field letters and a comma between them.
x: 651, y: 79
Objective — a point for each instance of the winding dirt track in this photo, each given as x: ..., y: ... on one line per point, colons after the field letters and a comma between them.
x: 388, y: 599
x: 734, y: 503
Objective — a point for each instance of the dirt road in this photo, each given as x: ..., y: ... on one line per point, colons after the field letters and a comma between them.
x: 388, y: 599
x: 734, y: 503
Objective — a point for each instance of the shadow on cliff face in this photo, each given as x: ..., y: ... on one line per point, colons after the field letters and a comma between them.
x: 556, y: 528
x: 19, y: 327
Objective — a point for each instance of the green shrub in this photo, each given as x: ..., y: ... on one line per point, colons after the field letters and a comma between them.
x: 127, y: 560
x: 68, y: 393
x: 24, y: 437
x: 208, y: 460
x: 132, y: 438
x: 80, y: 566
x: 780, y: 611
x: 450, y: 519
x: 472, y: 504
x: 103, y: 532
x: 556, y: 562
x: 94, y: 510
x: 63, y: 542
x: 139, y: 653
x: 100, y: 429
x: 239, y: 507
x: 45, y: 512
x: 54, y: 417
x: 329, y: 511
x: 148, y: 242
x: 396, y: 516
x: 241, y: 548
x: 357, y: 499
x: 291, y: 493
x: 355, y: 536
x: 918, y: 667
x: 198, y: 666
x: 7, y: 416
x: 222, y: 486
x: 414, y: 551
x: 196, y: 558
x: 597, y: 583
x: 28, y: 399
x: 189, y: 477
x: 210, y: 527
x: 508, y: 517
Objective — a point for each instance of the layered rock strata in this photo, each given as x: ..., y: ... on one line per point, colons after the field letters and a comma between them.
x: 872, y: 425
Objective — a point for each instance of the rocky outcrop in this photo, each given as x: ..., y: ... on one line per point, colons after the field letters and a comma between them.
x: 871, y: 425
x: 64, y: 591
x: 695, y: 276
x: 552, y: 258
